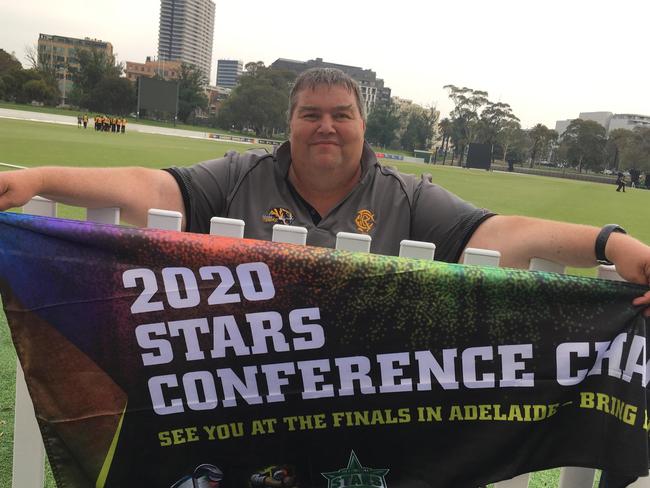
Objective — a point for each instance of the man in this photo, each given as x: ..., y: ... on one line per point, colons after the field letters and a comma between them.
x: 620, y: 181
x: 328, y: 180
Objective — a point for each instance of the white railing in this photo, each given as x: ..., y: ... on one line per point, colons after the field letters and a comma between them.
x: 28, y: 445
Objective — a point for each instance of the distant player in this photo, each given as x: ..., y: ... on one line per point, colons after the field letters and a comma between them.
x: 620, y: 181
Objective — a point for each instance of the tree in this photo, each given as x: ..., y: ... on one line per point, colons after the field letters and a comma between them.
x: 259, y: 101
x: 191, y: 96
x: 583, y: 144
x: 15, y: 82
x: 618, y: 143
x: 634, y: 147
x: 519, y: 149
x: 508, y: 136
x: 44, y: 65
x: 541, y: 138
x: 494, y: 118
x: 8, y: 63
x: 465, y: 115
x: 94, y: 66
x: 113, y: 95
x: 40, y: 91
x: 419, y: 129
x: 382, y: 124
x: 445, y: 126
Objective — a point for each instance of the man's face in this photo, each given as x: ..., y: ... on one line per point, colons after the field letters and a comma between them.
x: 326, y: 130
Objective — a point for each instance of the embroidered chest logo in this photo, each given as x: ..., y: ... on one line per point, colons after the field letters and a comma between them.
x: 365, y: 220
x: 356, y: 475
x: 278, y: 215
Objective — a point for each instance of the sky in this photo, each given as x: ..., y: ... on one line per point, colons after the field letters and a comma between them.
x: 549, y: 60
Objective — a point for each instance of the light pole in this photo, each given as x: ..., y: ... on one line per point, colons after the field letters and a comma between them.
x: 65, y: 82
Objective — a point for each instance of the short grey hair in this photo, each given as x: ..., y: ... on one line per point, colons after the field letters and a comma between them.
x: 315, y: 77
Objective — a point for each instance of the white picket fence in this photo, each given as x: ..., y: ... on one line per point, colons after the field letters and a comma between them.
x: 29, y: 453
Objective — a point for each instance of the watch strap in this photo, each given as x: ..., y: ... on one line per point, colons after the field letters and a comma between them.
x: 601, y: 242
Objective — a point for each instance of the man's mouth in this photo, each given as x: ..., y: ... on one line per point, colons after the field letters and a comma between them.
x: 325, y: 142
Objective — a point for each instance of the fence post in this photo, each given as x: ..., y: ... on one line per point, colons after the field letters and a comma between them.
x: 108, y: 215
x: 481, y: 257
x: 520, y: 481
x: 28, y: 469
x: 289, y: 234
x: 417, y: 249
x: 539, y: 264
x: 609, y: 273
x: 221, y: 226
x: 347, y: 241
x: 40, y: 206
x: 164, y: 219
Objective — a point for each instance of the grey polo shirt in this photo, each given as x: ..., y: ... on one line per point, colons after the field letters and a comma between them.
x: 387, y: 205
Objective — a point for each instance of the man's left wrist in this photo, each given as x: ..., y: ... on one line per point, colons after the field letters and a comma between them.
x: 602, y: 239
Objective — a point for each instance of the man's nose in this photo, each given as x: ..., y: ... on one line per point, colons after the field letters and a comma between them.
x: 326, y: 124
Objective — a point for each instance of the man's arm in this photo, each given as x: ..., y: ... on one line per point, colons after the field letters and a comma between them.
x: 133, y: 190
x: 519, y: 239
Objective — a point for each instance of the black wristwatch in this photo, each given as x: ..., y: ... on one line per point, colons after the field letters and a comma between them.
x: 601, y: 242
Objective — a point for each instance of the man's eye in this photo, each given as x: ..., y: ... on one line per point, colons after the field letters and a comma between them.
x: 309, y: 116
x: 342, y: 115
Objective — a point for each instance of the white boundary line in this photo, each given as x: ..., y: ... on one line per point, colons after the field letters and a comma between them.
x: 13, y: 166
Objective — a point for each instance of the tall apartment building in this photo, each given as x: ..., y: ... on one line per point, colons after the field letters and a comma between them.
x: 601, y: 118
x: 628, y: 121
x: 186, y: 32
x: 228, y: 72
x: 610, y: 121
x: 61, y: 53
x: 372, y: 88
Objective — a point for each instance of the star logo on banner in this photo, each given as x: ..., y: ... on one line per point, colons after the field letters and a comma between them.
x: 356, y: 475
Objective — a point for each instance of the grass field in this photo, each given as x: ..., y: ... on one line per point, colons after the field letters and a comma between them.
x: 32, y: 143
x: 74, y: 113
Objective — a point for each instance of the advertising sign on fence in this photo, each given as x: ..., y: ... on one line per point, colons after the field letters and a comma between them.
x: 161, y: 359
x: 249, y: 140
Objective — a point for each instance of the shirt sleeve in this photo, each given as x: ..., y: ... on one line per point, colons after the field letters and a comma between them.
x: 445, y: 219
x: 204, y: 187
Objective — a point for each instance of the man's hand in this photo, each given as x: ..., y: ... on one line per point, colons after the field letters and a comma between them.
x: 18, y: 187
x: 632, y: 261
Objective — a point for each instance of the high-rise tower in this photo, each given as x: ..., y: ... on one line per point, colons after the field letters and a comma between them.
x: 186, y: 32
x: 228, y: 72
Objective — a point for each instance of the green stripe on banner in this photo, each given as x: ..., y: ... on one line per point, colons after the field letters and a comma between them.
x: 103, y: 474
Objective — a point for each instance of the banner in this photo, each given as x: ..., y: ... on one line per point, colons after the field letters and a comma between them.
x: 161, y: 359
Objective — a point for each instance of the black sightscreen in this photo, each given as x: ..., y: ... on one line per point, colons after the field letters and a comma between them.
x: 157, y: 95
x: 478, y: 156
